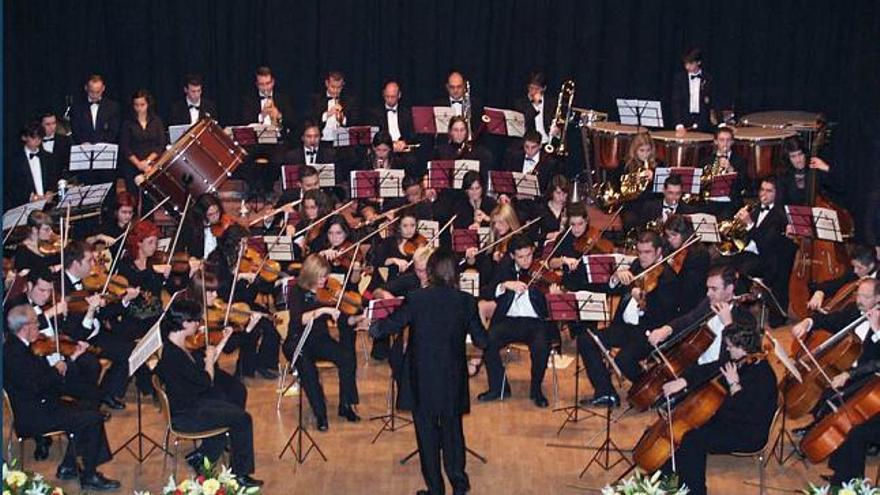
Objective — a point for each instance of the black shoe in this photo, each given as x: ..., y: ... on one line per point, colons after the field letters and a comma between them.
x: 98, y: 482
x: 873, y: 450
x: 348, y: 413
x: 268, y: 373
x: 41, y: 452
x: 247, y: 481
x: 322, y: 423
x: 605, y: 400
x: 196, y: 461
x: 540, y: 400
x: 423, y: 492
x: 113, y: 403
x: 490, y: 395
x: 67, y: 472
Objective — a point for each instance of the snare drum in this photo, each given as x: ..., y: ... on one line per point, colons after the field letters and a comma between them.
x: 689, y: 150
x: 202, y: 159
x: 763, y: 148
x: 611, y: 141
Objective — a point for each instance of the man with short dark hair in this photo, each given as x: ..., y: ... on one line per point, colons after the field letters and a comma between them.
x: 54, y: 142
x: 194, y: 106
x: 31, y: 172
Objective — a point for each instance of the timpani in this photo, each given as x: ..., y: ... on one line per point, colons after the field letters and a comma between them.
x: 763, y: 148
x: 688, y: 150
x: 611, y: 141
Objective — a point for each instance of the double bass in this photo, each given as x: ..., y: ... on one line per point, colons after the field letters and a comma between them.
x: 817, y: 260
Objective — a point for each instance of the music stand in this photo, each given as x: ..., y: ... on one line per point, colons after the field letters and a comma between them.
x: 600, y: 267
x: 576, y: 306
x: 85, y: 199
x: 690, y: 178
x: 89, y: 157
x: 469, y: 282
x: 431, y: 120
x: 17, y: 217
x: 175, y: 131
x: 446, y: 174
x: 280, y: 247
x: 705, y: 227
x: 428, y: 229
x: 641, y: 113
x: 355, y: 136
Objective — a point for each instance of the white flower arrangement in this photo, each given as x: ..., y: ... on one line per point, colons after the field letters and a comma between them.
x: 207, y: 482
x: 858, y: 486
x: 639, y: 484
x: 18, y: 482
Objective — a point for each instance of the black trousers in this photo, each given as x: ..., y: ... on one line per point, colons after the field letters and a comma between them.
x: 259, y: 348
x: 716, y: 437
x: 213, y: 413
x: 441, y: 435
x: 531, y: 331
x: 90, y: 439
x: 117, y: 349
x: 848, y: 461
x: 81, y: 379
x: 633, y: 345
x: 322, y: 347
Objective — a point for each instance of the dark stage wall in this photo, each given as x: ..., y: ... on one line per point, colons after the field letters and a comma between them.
x: 794, y: 55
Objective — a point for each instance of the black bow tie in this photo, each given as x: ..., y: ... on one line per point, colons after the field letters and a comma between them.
x: 31, y: 156
x: 265, y: 97
x: 765, y: 208
x: 460, y: 102
x: 696, y: 76
x: 96, y: 102
x: 392, y: 110
x: 668, y: 207
x: 193, y: 106
x: 48, y: 139
x: 530, y: 159
x: 311, y: 152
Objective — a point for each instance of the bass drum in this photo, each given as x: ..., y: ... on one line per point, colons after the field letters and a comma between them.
x: 199, y: 162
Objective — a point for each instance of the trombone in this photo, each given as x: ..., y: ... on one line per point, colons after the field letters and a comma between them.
x: 561, y: 119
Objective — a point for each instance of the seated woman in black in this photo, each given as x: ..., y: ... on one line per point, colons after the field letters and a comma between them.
x: 303, y: 302
x: 113, y: 226
x: 28, y: 254
x: 474, y: 209
x: 394, y: 252
x: 196, y: 402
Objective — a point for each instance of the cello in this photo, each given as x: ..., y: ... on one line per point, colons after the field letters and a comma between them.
x: 817, y: 260
x: 832, y: 430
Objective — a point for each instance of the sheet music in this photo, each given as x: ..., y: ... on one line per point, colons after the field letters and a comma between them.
x: 281, y: 247
x: 85, y: 196
x: 469, y: 282
x: 163, y: 244
x: 266, y: 134
x: 175, y: 131
x: 600, y: 267
x: 827, y: 224
x: 705, y: 226
x: 629, y: 110
x: 578, y: 306
x: 380, y: 309
x: 382, y: 183
x: 355, y: 135
x: 428, y: 229
x: 18, y: 216
x: 690, y: 178
x: 148, y: 345
x: 97, y: 156
x: 444, y: 174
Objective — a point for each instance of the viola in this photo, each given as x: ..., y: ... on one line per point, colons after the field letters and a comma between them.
x: 219, y: 228
x: 694, y: 411
x: 345, y: 260
x: 196, y: 341
x: 591, y: 241
x: 352, y: 302
x: 44, y: 346
x: 252, y: 260
x: 832, y: 430
x: 409, y: 246
x: 239, y: 315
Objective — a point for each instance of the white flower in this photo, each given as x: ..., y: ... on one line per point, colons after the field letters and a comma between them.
x: 210, y: 486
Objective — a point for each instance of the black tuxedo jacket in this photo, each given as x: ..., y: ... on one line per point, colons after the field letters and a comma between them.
x: 180, y: 111
x: 318, y: 105
x: 546, y: 169
x: 106, y: 128
x: 436, y: 355
x: 296, y: 156
x: 770, y: 235
x: 653, y: 209
x: 476, y: 111
x: 524, y: 106
x: 61, y: 151
x: 33, y: 386
x: 661, y: 304
x: 251, y: 106
x: 379, y: 117
x: 507, y: 270
x: 742, y: 184
x: 680, y: 102
x: 18, y: 181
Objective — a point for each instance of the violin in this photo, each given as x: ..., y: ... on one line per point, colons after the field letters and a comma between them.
x: 343, y: 261
x: 219, y: 228
x: 44, y: 346
x: 239, y: 315
x: 409, y: 246
x: 50, y: 247
x: 352, y: 302
x: 196, y: 341
x: 683, y: 351
x: 677, y: 261
x: 252, y: 260
x: 592, y: 241
x: 694, y: 411
x: 93, y: 284
x: 832, y: 430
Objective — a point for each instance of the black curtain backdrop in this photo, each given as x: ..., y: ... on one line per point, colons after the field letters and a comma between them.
x: 764, y: 55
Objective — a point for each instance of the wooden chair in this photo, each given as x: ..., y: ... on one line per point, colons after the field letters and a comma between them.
x: 7, y: 404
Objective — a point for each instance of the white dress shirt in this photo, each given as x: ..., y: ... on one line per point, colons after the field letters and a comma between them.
x: 714, y: 351
x: 49, y: 143
x: 457, y: 106
x: 261, y: 118
x: 194, y: 112
x: 694, y: 90
x: 93, y: 109
x: 393, y: 123
x: 521, y: 306
x: 331, y: 125
x: 36, y: 168
x: 539, y: 121
x: 632, y: 312
x: 210, y: 242
x: 668, y: 210
x: 530, y: 162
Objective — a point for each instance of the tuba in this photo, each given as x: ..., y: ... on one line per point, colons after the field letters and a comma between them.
x: 561, y: 119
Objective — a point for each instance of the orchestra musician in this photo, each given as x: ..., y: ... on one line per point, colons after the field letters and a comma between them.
x: 532, y: 159
x: 41, y: 248
x: 315, y: 204
x: 55, y: 142
x: 395, y: 252
x: 35, y: 388
x: 333, y: 108
x: 863, y: 264
x: 314, y: 314
x: 537, y: 109
x: 659, y: 209
x: 742, y: 424
x: 142, y: 139
x: 640, y: 159
x: 692, y: 99
x: 474, y: 209
x: 33, y: 170
x: 267, y: 106
x: 720, y: 290
x: 459, y: 147
x: 197, y: 402
x: 114, y: 224
x: 194, y: 106
x: 206, y: 221
x: 436, y: 361
x: 727, y: 163
x: 396, y: 119
x: 520, y: 316
x: 95, y: 118
x: 769, y: 254
x: 456, y: 89
x: 552, y: 210
x: 793, y: 182
x: 694, y: 267
x: 640, y: 309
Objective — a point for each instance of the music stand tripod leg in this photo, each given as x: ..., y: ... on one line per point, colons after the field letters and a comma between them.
x: 299, y: 436
x: 140, y: 437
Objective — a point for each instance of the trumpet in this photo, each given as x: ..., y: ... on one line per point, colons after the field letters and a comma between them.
x: 561, y: 119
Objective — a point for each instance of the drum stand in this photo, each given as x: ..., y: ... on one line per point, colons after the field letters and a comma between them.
x: 300, y: 436
x: 391, y: 421
x: 141, y: 437
x: 572, y: 412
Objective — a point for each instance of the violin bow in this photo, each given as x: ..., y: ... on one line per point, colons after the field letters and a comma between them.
x: 62, y: 233
x: 544, y: 266
x: 156, y: 208
x: 502, y: 239
x: 371, y: 234
x: 241, y: 246
x: 434, y: 237
x: 55, y: 323
x: 20, y: 216
x: 114, y: 263
x: 274, y: 212
x: 605, y: 228
x: 325, y: 217
x: 269, y: 248
x: 173, y: 246
x: 205, y: 306
x: 691, y: 240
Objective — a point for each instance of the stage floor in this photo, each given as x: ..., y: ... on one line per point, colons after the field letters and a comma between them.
x: 512, y: 435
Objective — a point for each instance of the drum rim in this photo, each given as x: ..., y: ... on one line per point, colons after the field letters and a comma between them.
x: 782, y: 135
x: 665, y: 136
x: 637, y: 130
